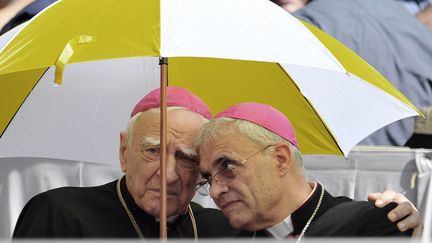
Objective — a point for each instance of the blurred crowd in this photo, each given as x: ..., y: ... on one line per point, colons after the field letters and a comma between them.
x: 394, y: 36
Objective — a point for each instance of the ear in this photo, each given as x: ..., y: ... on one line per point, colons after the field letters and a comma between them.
x: 282, y: 154
x: 122, y: 151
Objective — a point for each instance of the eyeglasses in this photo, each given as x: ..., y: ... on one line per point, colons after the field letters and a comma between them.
x: 225, y: 175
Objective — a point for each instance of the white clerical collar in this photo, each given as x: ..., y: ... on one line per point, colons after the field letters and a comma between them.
x: 286, y: 227
x: 282, y: 230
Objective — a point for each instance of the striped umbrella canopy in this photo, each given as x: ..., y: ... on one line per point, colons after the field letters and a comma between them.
x: 216, y: 49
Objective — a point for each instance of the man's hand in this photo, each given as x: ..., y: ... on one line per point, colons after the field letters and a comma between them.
x: 404, y: 209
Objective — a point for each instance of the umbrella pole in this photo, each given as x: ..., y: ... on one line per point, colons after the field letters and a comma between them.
x: 163, y: 62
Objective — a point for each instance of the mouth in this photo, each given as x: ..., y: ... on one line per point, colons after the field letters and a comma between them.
x: 226, y: 206
x: 169, y: 193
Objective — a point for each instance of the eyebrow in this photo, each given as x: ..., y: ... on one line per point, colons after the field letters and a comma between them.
x: 151, y: 141
x: 216, y: 162
x: 189, y: 152
x: 183, y: 151
x: 182, y: 154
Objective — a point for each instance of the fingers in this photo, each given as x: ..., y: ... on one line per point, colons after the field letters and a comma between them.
x: 405, y: 210
x: 382, y: 199
x: 373, y: 196
x: 402, y: 210
x: 412, y: 220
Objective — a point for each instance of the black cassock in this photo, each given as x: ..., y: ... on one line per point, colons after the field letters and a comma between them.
x: 96, y: 212
x: 343, y: 217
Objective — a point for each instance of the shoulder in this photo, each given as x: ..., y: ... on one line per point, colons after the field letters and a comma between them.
x: 70, y: 195
x: 213, y: 223
x: 356, y: 218
x: 40, y: 214
x: 208, y: 216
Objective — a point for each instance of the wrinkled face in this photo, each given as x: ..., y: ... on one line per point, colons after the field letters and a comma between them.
x: 251, y: 192
x: 291, y: 5
x: 140, y: 160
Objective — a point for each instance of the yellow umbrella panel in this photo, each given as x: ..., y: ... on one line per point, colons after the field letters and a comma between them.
x: 222, y: 83
x: 81, y: 31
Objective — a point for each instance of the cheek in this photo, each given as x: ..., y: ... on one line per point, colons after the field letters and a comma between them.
x: 264, y: 190
x: 192, y: 177
x: 188, y: 180
x: 142, y: 175
x: 255, y: 189
x: 249, y: 194
x: 245, y: 211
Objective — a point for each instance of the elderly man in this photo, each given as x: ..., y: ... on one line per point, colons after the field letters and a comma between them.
x: 253, y: 170
x: 129, y: 207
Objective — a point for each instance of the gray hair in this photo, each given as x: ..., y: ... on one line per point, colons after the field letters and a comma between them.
x: 260, y: 135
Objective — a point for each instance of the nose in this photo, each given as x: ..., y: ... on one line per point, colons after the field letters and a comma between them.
x: 172, y: 175
x: 217, y: 189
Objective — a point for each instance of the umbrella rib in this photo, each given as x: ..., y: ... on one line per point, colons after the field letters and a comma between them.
x: 312, y: 107
x: 24, y: 100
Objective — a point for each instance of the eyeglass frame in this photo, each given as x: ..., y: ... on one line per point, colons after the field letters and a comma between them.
x: 206, y: 184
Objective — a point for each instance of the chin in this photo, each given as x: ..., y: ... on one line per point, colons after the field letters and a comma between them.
x: 155, y: 211
x: 151, y: 208
x: 237, y: 222
x: 173, y: 208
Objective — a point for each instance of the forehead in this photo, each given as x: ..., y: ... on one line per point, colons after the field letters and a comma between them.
x: 230, y: 143
x: 181, y: 124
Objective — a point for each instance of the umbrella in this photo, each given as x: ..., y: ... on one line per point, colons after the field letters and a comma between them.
x: 214, y: 48
x: 217, y: 31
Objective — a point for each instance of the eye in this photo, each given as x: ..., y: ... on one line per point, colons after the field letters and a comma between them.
x: 152, y: 150
x: 227, y: 168
x: 151, y: 153
x: 185, y: 160
x: 228, y: 164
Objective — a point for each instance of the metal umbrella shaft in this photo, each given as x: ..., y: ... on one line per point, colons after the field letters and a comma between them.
x: 163, y: 62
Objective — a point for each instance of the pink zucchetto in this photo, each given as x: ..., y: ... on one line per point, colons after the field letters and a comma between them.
x: 264, y: 116
x: 176, y: 96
